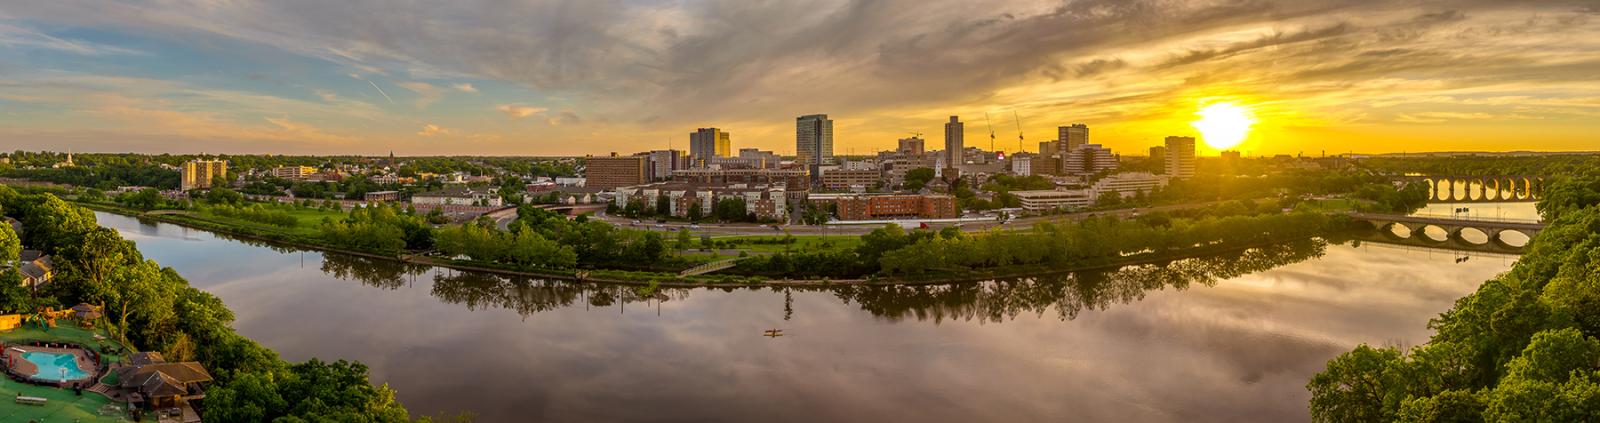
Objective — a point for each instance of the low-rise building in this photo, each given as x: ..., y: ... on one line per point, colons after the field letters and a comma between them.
x: 765, y: 201
x: 293, y: 172
x: 845, y: 179
x: 381, y: 196
x: 875, y: 207
x: 1128, y: 184
x: 1053, y: 199
x: 458, y: 196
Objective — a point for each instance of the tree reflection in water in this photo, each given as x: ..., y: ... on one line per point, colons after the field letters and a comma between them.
x: 1070, y: 294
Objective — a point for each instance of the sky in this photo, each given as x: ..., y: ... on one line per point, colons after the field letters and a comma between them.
x: 575, y: 77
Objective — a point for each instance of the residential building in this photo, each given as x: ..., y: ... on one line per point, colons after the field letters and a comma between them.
x: 1180, y: 157
x: 614, y: 171
x: 1087, y: 159
x: 708, y: 143
x: 1128, y: 185
x: 1053, y: 199
x: 1072, y: 136
x: 895, y: 170
x: 36, y: 268
x: 1159, y: 153
x: 954, y: 143
x: 458, y: 196
x: 198, y: 174
x: 293, y: 172
x: 1049, y: 148
x: 914, y: 146
x: 813, y: 139
x: 875, y: 207
x: 794, y: 179
x: 763, y: 159
x: 1044, y: 165
x: 1230, y: 156
x: 152, y: 383
x: 381, y: 196
x: 846, y: 178
x: 765, y: 201
x: 1022, y: 164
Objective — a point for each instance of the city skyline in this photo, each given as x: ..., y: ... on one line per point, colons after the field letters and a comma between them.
x: 523, y: 79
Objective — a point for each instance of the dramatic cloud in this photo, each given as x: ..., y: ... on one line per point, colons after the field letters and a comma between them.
x: 1317, y: 71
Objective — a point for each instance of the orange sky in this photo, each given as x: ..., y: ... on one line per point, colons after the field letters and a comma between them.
x: 560, y: 77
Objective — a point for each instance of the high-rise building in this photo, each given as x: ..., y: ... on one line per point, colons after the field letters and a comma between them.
x: 708, y: 143
x: 198, y: 174
x: 913, y: 146
x: 1180, y: 157
x: 1158, y: 152
x: 661, y: 163
x: 1072, y: 136
x: 616, y: 171
x: 813, y: 140
x: 954, y: 143
x: 1088, y: 159
x: 1049, y: 148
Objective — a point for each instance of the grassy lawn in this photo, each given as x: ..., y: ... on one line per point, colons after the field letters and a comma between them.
x: 64, y: 406
x: 1329, y: 205
x: 308, y: 220
x: 802, y: 243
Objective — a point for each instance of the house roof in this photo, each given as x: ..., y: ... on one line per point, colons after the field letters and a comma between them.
x: 145, y: 358
x: 34, y: 271
x: 162, y: 379
x: 30, y: 255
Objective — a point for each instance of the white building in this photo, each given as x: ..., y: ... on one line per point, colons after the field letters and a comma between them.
x: 1053, y: 199
x: 1022, y: 164
x: 1180, y: 157
x: 458, y: 197
x: 1088, y: 159
x: 1128, y: 185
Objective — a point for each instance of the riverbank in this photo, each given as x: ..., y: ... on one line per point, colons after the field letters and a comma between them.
x: 635, y: 278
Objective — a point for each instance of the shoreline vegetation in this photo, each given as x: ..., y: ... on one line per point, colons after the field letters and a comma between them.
x: 1306, y: 227
x: 1522, y: 347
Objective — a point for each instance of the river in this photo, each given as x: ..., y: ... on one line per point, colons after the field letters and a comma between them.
x: 1227, y: 338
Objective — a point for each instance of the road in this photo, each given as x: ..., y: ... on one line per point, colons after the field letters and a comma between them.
x: 747, y: 229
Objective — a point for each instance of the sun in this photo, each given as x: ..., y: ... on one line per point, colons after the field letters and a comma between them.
x: 1224, y: 125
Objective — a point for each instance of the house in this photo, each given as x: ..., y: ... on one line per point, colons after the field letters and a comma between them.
x: 36, y: 269
x: 150, y: 382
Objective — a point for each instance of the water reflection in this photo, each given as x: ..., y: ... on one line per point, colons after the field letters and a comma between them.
x: 1226, y: 338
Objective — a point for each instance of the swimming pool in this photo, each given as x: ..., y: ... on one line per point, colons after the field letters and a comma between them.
x: 55, y: 367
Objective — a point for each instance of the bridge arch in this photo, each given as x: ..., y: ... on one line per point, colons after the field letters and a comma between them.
x: 1473, y: 235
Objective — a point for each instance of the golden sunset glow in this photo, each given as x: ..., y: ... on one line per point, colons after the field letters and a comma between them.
x: 1224, y: 125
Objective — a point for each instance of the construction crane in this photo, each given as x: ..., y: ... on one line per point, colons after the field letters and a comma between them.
x: 1015, y: 117
x: 915, y: 134
x: 991, y: 130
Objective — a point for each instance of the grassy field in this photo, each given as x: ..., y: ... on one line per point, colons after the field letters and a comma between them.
x: 801, y: 243
x: 1329, y: 205
x: 308, y: 220
x: 64, y: 405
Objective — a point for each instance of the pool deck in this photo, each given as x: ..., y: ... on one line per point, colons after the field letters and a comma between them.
x: 22, y: 366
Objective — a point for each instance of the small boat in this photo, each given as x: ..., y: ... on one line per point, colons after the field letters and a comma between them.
x: 773, y: 333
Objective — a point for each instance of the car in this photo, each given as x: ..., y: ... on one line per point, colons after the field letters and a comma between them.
x: 694, y: 226
x: 636, y: 221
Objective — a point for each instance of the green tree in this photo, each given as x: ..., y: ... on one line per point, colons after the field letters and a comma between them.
x: 695, y: 213
x: 1352, y: 389
x: 663, y: 205
x: 918, y: 178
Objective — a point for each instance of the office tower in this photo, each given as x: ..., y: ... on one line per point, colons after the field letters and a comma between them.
x: 1072, y: 136
x: 198, y: 174
x: 813, y: 140
x: 954, y: 145
x: 663, y: 162
x: 616, y: 171
x: 1088, y: 159
x: 706, y: 144
x: 1180, y: 157
x: 1049, y: 148
x: 913, y: 146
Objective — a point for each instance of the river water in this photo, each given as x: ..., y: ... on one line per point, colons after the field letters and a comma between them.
x: 1227, y: 338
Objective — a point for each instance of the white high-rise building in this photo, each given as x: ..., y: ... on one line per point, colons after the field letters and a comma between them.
x: 1180, y: 157
x: 954, y: 144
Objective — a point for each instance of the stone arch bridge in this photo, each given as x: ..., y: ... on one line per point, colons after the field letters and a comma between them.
x: 1491, y: 229
x: 1468, y: 189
